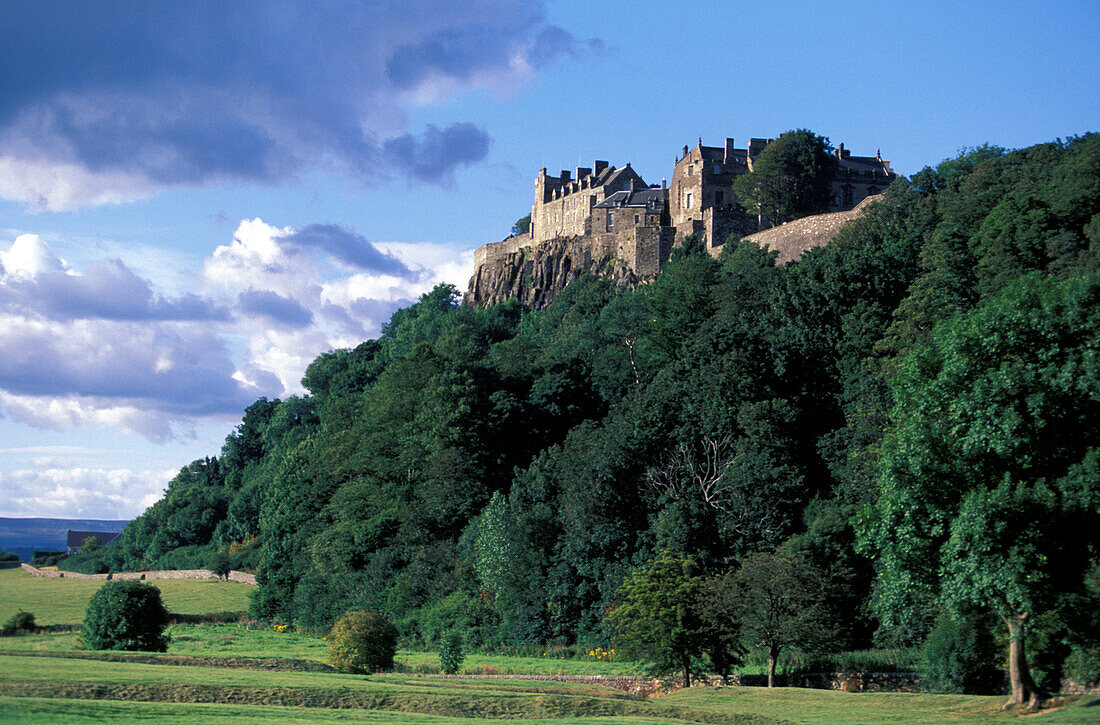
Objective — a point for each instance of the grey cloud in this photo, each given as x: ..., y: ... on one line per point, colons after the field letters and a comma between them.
x: 434, y: 156
x: 199, y: 92
x: 105, y: 291
x: 177, y: 369
x: 275, y: 307
x: 349, y: 247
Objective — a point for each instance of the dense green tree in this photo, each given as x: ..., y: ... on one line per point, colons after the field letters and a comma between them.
x: 791, y: 178
x: 992, y: 451
x: 782, y: 605
x: 125, y: 615
x: 661, y: 618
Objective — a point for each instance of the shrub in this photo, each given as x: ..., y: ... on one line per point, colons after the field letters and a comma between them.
x: 451, y: 654
x: 21, y: 622
x: 957, y: 658
x: 362, y: 642
x: 126, y: 615
x: 6, y: 555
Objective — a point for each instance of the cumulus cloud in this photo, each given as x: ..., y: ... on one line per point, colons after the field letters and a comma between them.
x: 106, y: 102
x: 107, y: 291
x: 348, y: 247
x: 274, y: 307
x: 100, y: 347
x: 95, y: 493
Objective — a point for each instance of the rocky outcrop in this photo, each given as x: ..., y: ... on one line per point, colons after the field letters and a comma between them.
x: 535, y: 274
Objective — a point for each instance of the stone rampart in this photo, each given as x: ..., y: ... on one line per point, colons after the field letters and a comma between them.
x: 234, y: 576
x: 495, y: 251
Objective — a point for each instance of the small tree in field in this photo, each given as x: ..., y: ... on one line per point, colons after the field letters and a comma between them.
x: 126, y: 615
x: 451, y: 654
x: 362, y: 642
x: 781, y: 604
x: 663, y: 619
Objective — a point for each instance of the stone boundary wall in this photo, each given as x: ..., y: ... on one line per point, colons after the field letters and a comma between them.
x: 234, y: 576
x: 494, y: 251
x: 843, y: 681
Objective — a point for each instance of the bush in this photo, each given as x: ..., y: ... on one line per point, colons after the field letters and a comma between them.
x: 6, y: 555
x: 126, y: 615
x: 20, y: 623
x: 362, y: 642
x: 450, y: 653
x: 958, y: 658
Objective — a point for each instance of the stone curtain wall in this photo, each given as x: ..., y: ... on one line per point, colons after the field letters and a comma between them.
x: 234, y: 576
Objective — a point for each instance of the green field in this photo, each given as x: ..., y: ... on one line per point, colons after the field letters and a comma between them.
x: 232, y: 673
x: 62, y: 601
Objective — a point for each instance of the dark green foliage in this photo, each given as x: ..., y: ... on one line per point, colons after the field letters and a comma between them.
x: 6, y: 555
x: 522, y: 226
x: 451, y: 655
x: 961, y: 656
x: 362, y: 642
x: 781, y: 605
x: 19, y: 623
x: 126, y: 615
x: 670, y: 618
x: 791, y: 178
x: 499, y: 473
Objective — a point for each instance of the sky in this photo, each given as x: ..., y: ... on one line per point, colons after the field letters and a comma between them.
x: 196, y: 199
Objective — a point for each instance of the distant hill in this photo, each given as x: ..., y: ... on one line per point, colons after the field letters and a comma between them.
x: 23, y: 536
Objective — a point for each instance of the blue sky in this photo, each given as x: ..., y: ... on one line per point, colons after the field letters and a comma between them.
x: 196, y: 201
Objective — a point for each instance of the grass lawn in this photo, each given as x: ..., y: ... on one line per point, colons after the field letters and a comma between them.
x: 234, y: 640
x: 62, y: 690
x: 63, y: 601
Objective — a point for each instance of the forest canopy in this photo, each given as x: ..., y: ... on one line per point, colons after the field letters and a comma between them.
x: 925, y: 386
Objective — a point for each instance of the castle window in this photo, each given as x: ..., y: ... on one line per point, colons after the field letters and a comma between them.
x: 717, y: 169
x: 687, y: 200
x: 637, y: 219
x: 848, y: 195
x: 610, y: 222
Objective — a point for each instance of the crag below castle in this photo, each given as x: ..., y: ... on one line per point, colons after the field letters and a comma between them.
x: 606, y: 220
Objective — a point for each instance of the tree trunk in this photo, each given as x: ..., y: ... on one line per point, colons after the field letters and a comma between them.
x: 773, y: 655
x: 685, y: 662
x: 1023, y: 687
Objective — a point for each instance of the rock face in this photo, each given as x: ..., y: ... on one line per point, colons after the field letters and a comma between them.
x: 534, y: 275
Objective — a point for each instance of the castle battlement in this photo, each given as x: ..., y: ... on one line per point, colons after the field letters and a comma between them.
x: 612, y: 214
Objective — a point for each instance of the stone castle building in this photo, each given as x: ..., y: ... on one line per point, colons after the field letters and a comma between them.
x: 612, y: 214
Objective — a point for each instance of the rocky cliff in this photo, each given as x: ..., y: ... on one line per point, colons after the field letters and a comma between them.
x: 534, y: 275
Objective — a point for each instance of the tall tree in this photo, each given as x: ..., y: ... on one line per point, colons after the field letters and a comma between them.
x: 986, y: 469
x: 791, y: 178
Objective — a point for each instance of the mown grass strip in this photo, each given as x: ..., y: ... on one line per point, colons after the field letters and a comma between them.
x: 282, y: 664
x: 480, y: 706
x: 45, y: 711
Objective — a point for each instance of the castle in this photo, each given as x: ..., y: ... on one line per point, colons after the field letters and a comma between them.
x: 613, y: 214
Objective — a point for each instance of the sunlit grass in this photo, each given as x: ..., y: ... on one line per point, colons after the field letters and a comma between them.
x: 63, y: 601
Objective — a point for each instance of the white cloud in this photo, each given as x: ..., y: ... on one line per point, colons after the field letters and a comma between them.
x: 96, y: 493
x: 28, y: 256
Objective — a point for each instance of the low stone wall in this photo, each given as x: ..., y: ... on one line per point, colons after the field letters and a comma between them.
x: 646, y: 686
x: 234, y: 576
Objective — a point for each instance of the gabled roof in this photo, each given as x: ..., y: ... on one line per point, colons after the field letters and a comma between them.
x: 76, y: 538
x: 642, y: 197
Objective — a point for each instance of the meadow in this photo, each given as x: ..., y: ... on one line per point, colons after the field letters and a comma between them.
x: 244, y: 674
